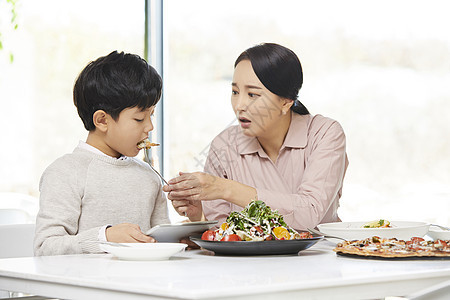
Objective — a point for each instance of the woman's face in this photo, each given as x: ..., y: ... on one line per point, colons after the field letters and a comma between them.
x: 258, y: 110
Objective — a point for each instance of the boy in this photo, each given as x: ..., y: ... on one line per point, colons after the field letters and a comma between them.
x: 100, y: 192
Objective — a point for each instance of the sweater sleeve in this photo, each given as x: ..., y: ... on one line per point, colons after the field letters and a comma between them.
x: 320, y: 185
x: 160, y: 210
x: 59, y: 212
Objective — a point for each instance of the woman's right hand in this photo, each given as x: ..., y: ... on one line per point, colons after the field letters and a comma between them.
x: 191, y: 209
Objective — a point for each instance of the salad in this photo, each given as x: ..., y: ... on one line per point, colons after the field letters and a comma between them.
x: 378, y: 224
x: 257, y: 222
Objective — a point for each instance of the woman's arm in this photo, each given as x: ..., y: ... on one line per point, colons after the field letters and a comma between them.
x: 186, y: 190
x: 203, y: 186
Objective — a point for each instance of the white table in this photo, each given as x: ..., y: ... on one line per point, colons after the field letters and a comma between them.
x: 317, y: 273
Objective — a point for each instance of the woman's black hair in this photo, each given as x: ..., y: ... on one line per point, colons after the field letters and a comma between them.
x: 279, y: 70
x: 115, y: 82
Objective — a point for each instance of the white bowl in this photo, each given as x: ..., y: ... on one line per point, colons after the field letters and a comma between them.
x: 401, y: 230
x: 144, y: 251
x: 437, y: 233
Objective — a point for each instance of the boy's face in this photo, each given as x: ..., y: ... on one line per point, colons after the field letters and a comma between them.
x: 131, y: 127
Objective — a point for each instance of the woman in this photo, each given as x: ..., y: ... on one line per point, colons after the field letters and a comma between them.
x: 279, y: 153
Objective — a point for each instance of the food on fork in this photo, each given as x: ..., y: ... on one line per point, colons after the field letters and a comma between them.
x: 257, y: 222
x: 146, y: 144
x: 378, y: 224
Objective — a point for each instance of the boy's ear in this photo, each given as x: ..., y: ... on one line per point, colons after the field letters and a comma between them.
x: 100, y: 119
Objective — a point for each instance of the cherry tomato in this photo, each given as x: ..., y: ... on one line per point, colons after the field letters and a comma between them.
x: 208, y: 235
x: 305, y: 235
x: 231, y: 238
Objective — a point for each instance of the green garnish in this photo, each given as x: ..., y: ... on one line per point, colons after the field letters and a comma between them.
x: 257, y: 213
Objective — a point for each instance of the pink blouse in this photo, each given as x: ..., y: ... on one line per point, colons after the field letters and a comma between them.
x: 304, y: 184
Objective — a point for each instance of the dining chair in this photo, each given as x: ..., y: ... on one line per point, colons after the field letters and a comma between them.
x: 18, y: 208
x: 13, y: 216
x: 17, y: 241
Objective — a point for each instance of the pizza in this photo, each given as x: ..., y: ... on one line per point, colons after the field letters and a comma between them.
x: 393, y: 248
x: 146, y: 144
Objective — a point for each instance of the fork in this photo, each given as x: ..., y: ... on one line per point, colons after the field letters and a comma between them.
x: 160, y: 176
x: 441, y: 227
x: 150, y: 164
x: 325, y: 235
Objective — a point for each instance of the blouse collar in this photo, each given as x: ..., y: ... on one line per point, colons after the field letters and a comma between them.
x: 297, y: 137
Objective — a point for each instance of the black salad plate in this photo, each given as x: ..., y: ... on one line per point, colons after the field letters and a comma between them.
x: 256, y: 248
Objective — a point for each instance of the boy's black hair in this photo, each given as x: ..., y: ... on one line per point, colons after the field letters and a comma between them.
x: 115, y: 82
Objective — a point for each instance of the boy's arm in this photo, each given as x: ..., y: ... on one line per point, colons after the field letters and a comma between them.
x: 59, y: 212
x: 160, y: 213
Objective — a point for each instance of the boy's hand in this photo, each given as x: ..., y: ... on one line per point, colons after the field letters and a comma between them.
x: 127, y: 233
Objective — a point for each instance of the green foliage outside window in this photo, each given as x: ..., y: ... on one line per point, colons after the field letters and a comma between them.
x: 8, y: 8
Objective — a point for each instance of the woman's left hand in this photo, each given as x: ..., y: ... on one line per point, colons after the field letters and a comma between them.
x: 195, y: 186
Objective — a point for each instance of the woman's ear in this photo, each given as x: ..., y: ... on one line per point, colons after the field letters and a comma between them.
x: 100, y: 119
x: 286, y: 105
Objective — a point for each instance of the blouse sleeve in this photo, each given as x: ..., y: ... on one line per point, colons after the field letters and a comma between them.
x: 321, y: 183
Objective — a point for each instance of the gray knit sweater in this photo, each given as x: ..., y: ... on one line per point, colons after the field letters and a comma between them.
x: 83, y: 191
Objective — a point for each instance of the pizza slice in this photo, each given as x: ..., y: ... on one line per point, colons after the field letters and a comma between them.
x: 393, y: 248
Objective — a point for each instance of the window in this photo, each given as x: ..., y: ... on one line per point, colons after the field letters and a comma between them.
x: 381, y: 70
x: 52, y: 44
